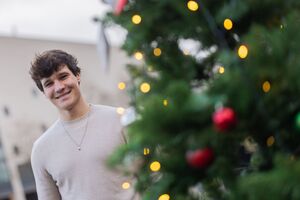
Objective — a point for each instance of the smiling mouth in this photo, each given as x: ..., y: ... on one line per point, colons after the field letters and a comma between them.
x: 64, y: 94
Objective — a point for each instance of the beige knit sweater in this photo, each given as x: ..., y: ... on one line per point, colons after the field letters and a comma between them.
x: 61, y: 171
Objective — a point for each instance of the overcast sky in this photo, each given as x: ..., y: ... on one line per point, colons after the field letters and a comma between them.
x: 67, y: 20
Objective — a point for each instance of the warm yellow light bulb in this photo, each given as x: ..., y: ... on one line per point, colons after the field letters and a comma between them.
x: 243, y: 51
x: 126, y: 185
x: 165, y: 102
x: 221, y: 70
x: 192, y: 5
x: 157, y: 51
x: 136, y: 19
x: 146, y: 151
x: 120, y: 110
x: 186, y: 52
x: 138, y: 55
x: 150, y: 68
x: 228, y: 24
x: 164, y: 197
x: 266, y: 86
x: 270, y: 141
x: 121, y: 85
x: 155, y: 166
x: 145, y: 87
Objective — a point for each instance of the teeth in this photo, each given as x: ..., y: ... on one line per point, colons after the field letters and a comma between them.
x: 62, y: 95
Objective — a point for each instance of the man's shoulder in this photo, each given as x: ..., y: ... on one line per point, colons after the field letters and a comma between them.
x: 105, y: 110
x: 109, y: 118
x: 45, y: 138
x: 105, y: 114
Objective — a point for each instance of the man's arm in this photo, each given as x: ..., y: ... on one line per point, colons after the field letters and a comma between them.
x: 45, y: 185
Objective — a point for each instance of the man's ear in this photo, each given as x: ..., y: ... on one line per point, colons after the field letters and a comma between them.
x: 78, y: 78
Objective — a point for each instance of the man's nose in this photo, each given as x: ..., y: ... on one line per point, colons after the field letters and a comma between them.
x: 58, y: 86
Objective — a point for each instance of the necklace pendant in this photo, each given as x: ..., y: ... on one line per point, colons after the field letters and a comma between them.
x: 79, y: 148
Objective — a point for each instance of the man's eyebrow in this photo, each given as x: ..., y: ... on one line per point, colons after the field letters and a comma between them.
x: 63, y: 73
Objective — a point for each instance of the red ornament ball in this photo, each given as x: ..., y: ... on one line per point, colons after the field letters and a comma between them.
x: 200, y: 158
x: 224, y: 119
x: 120, y: 6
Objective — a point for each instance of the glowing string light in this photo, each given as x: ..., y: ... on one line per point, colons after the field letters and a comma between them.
x: 121, y: 86
x: 155, y: 166
x: 243, y: 51
x: 126, y: 185
x: 138, y: 55
x: 164, y: 197
x: 146, y: 151
x: 266, y: 86
x: 186, y: 52
x: 192, y: 5
x: 145, y: 87
x: 120, y: 110
x: 157, y: 51
x: 136, y: 19
x: 221, y: 70
x: 228, y: 24
x: 150, y: 68
x: 165, y: 102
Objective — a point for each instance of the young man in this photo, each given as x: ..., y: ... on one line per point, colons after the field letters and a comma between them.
x: 69, y: 159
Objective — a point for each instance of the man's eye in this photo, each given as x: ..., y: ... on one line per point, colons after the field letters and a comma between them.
x: 48, y: 84
x: 63, y: 76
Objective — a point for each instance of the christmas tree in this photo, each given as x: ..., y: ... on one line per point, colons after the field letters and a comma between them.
x: 217, y: 98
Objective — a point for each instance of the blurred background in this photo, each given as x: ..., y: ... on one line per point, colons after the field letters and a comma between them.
x: 31, y: 27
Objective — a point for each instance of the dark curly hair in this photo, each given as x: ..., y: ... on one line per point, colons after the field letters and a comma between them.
x: 45, y: 64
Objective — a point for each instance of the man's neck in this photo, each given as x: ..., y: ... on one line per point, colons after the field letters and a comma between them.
x: 77, y: 111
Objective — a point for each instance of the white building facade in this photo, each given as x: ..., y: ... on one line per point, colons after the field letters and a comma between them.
x: 25, y: 113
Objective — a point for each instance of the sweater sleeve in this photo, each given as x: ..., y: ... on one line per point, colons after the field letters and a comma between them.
x: 45, y: 185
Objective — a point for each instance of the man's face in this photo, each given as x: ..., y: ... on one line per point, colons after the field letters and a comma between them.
x: 62, y: 88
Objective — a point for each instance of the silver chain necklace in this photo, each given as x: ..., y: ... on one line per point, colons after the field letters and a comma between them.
x: 84, y: 133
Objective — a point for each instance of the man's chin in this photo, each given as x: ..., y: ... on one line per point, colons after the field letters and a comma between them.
x: 64, y: 106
